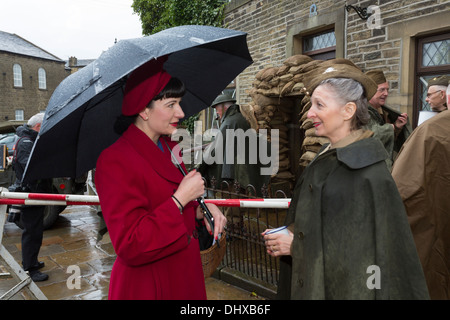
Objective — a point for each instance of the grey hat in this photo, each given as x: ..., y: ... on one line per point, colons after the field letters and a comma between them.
x: 439, y: 81
x: 224, y: 97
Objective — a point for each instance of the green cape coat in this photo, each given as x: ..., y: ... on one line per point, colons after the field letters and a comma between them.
x: 348, y: 217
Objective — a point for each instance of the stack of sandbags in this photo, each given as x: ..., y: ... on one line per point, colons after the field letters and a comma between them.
x: 271, y: 110
x: 285, y: 79
x: 273, y: 113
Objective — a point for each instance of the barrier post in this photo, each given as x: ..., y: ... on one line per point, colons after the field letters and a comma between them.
x: 15, y: 269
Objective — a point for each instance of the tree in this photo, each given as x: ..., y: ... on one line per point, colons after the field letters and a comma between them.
x: 157, y: 15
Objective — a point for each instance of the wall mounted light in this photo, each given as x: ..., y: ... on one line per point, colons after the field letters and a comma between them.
x: 362, y: 12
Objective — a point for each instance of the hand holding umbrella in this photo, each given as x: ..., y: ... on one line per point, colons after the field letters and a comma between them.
x: 200, y: 199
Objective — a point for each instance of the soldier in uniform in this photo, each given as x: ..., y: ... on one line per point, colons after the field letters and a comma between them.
x: 436, y: 95
x: 388, y: 125
x: 421, y: 172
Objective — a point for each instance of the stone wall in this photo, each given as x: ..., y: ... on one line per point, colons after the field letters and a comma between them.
x: 275, y: 30
x: 275, y: 33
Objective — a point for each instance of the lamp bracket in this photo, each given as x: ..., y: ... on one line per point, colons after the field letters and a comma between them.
x: 362, y: 12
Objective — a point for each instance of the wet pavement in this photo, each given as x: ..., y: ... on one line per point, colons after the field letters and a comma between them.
x: 72, y: 246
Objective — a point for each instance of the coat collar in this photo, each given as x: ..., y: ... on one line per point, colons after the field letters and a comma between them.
x: 233, y: 109
x: 360, y: 154
x: 160, y: 161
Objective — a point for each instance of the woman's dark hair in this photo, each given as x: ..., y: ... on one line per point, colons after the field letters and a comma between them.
x: 174, y: 89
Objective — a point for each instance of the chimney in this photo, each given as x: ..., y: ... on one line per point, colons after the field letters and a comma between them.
x: 72, y: 61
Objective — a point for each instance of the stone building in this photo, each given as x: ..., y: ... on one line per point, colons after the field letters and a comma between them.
x: 28, y: 77
x: 76, y: 64
x: 408, y: 39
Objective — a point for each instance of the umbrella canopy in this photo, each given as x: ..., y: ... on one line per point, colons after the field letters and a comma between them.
x: 81, y: 113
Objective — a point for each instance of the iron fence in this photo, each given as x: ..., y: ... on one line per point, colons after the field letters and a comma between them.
x: 246, y: 252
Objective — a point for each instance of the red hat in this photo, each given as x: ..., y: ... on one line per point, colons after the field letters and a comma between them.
x: 143, y: 85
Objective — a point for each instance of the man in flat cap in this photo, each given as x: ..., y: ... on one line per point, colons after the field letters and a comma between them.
x: 222, y: 103
x: 421, y: 173
x: 436, y: 95
x: 230, y: 169
x: 389, y: 125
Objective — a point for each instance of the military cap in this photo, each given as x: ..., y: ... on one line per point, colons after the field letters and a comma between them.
x: 439, y: 81
x: 377, y: 76
x: 329, y: 63
x: 224, y: 97
x: 315, y: 77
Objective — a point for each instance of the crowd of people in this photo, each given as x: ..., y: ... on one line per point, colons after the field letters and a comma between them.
x: 369, y: 217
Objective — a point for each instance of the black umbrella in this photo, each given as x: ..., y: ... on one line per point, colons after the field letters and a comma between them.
x: 80, y: 116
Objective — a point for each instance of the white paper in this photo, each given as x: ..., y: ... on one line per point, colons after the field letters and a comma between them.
x: 282, y: 230
x: 425, y: 115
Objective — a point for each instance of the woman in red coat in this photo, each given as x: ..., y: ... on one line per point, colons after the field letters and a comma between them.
x: 148, y: 206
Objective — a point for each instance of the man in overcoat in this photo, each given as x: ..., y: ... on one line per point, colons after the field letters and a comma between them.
x: 422, y: 175
x: 32, y: 217
x: 233, y: 127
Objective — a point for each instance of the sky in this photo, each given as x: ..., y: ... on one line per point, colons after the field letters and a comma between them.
x: 66, y: 28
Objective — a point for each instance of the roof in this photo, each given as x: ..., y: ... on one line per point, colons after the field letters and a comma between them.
x: 15, y: 44
x: 79, y: 63
x: 84, y: 62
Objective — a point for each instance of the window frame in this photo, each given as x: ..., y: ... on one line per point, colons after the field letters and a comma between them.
x: 322, y: 53
x: 421, y: 71
x: 42, y: 79
x: 17, y: 76
x: 19, y: 114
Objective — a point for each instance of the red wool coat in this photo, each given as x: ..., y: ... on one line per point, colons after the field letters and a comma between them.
x: 157, y: 258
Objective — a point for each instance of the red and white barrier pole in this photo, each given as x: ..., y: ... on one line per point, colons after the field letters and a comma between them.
x: 23, y: 198
x: 47, y: 199
x: 252, y: 203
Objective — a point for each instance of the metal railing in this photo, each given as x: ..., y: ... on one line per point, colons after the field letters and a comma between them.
x: 246, y: 252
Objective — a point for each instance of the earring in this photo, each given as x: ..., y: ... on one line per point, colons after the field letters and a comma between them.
x: 146, y: 118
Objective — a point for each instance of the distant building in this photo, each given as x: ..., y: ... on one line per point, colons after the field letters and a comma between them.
x: 76, y: 64
x: 28, y: 77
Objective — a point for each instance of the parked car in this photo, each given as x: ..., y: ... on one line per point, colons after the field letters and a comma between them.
x: 10, y: 140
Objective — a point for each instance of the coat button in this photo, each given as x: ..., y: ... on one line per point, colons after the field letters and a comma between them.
x: 301, y: 235
x: 310, y: 188
x: 300, y: 282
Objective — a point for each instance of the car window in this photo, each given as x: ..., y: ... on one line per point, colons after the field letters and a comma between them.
x: 7, y: 139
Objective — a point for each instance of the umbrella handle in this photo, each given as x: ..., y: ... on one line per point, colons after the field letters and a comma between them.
x: 201, y: 201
